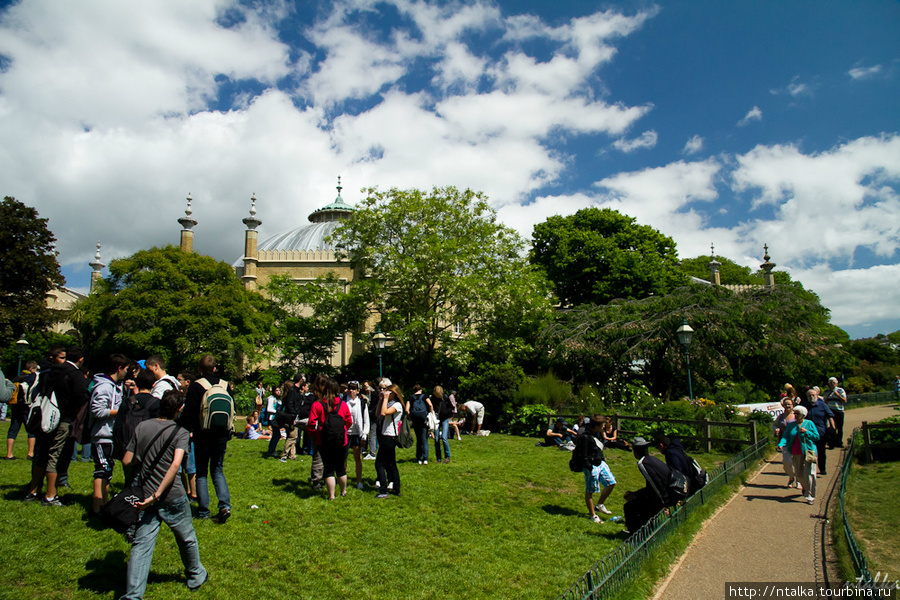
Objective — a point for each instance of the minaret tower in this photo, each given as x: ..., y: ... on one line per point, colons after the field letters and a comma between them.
x: 187, y: 223
x: 768, y: 276
x: 715, y: 277
x: 97, y: 265
x: 251, y: 253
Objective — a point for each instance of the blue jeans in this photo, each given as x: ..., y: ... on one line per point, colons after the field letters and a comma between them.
x: 177, y: 515
x: 442, y: 435
x: 210, y: 456
x: 421, y: 428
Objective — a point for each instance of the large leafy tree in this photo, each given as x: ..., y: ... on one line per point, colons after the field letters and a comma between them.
x: 181, y: 305
x: 766, y: 337
x: 598, y: 255
x: 438, y: 264
x: 29, y: 270
x: 310, y: 317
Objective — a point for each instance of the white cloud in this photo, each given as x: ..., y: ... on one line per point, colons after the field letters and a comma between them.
x: 864, y: 72
x: 754, y: 114
x: 693, y: 146
x: 645, y: 141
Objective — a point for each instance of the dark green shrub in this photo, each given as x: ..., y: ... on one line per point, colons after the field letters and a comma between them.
x: 529, y: 420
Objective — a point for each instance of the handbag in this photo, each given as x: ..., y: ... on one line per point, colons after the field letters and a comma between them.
x: 811, y: 457
x: 121, y: 512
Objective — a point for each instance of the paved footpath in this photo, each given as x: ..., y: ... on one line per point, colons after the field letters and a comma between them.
x: 766, y: 532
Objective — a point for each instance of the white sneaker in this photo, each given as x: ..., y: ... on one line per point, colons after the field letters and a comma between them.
x: 369, y: 457
x: 420, y: 462
x: 596, y: 519
x: 390, y: 485
x: 810, y: 500
x: 603, y: 509
x: 377, y: 483
x: 424, y: 462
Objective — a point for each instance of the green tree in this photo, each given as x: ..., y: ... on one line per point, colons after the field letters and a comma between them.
x: 29, y: 271
x: 764, y: 336
x: 598, y: 255
x: 438, y: 265
x: 310, y: 317
x: 177, y: 304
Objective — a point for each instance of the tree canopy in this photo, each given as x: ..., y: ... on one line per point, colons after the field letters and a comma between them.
x: 766, y: 337
x: 598, y: 255
x: 438, y: 264
x: 310, y: 317
x: 30, y: 270
x: 177, y: 304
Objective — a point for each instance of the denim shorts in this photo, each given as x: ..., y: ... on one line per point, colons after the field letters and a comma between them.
x: 597, y: 477
x: 355, y: 441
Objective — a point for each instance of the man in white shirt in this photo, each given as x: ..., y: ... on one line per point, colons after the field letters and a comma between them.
x: 476, y: 413
x: 156, y: 364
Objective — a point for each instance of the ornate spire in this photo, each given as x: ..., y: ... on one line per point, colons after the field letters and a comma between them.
x: 768, y: 276
x: 252, y: 222
x: 97, y: 265
x: 187, y: 221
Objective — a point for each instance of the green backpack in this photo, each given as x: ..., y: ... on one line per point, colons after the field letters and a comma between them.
x: 216, y: 407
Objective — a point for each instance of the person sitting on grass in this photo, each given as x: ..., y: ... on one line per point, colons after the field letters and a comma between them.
x: 597, y: 476
x: 559, y: 434
x: 611, y: 435
x: 255, y: 431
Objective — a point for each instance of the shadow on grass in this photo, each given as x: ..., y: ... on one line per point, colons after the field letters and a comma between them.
x: 106, y: 574
x: 563, y: 511
x: 301, y: 489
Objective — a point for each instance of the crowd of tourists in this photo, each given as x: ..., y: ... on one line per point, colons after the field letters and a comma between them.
x: 170, y: 434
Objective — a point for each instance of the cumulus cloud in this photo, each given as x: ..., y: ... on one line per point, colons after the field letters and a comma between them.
x: 754, y: 114
x: 645, y: 141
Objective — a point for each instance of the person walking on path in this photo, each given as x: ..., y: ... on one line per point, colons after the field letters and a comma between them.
x: 801, y: 437
x: 752, y: 526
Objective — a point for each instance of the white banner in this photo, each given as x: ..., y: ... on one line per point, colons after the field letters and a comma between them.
x: 773, y: 408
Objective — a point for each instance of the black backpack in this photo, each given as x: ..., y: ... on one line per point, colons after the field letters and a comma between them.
x: 134, y: 410
x: 334, y: 428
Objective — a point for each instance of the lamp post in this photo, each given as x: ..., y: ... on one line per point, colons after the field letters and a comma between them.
x: 21, y: 347
x: 685, y: 336
x: 380, y: 341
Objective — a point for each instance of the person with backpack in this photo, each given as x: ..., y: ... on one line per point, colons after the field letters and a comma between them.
x: 106, y: 397
x: 441, y: 404
x: 211, y: 430
x: 418, y: 408
x: 134, y: 410
x: 18, y: 409
x: 333, y: 441
x: 677, y: 458
x: 158, y: 447
x: 64, y: 381
x: 598, y: 478
x: 391, y: 411
x: 314, y: 426
x: 643, y: 504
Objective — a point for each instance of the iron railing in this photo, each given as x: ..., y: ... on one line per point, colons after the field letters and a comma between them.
x: 618, y: 568
x: 859, y: 559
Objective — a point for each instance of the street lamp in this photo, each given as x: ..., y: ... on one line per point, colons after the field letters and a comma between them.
x: 21, y: 347
x: 380, y: 342
x: 685, y: 336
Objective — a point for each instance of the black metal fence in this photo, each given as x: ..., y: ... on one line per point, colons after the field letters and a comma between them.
x: 618, y: 568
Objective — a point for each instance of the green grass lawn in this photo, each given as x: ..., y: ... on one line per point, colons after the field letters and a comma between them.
x: 505, y: 519
x: 874, y: 522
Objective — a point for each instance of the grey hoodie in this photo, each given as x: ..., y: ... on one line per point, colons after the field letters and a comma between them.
x: 106, y: 397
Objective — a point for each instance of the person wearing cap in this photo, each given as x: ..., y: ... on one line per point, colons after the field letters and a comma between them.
x: 643, y: 504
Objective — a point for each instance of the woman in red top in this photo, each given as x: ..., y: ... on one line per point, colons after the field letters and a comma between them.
x: 332, y: 436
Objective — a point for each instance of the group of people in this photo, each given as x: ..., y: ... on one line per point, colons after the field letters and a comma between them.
x: 806, y: 428
x: 663, y: 488
x: 561, y: 436
x: 328, y: 420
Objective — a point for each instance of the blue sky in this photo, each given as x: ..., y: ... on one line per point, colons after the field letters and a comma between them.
x: 734, y: 124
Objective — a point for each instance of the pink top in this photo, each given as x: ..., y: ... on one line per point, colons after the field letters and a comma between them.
x: 317, y: 420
